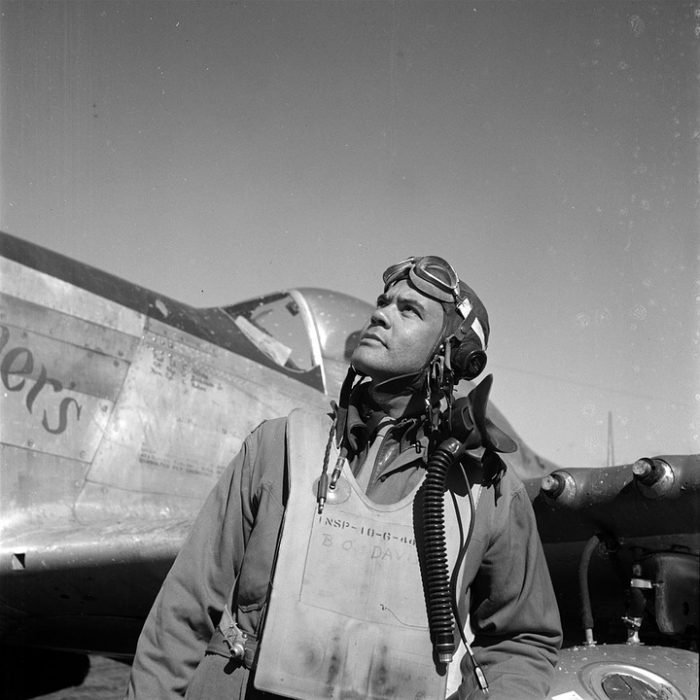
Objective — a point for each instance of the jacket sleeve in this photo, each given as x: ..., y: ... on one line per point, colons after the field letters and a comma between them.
x: 181, y: 621
x: 513, y: 610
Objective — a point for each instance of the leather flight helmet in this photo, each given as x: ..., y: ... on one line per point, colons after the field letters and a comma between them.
x: 465, y: 333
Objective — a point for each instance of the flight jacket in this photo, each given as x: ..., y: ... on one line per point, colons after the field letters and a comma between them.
x: 513, y: 611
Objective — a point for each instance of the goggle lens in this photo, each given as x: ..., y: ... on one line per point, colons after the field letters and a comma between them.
x: 438, y: 272
x: 430, y: 268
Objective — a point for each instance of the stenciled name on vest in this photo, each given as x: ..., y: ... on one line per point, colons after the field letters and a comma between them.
x: 388, y: 549
x: 362, y: 558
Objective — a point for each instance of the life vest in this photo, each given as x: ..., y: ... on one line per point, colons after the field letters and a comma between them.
x: 346, y: 616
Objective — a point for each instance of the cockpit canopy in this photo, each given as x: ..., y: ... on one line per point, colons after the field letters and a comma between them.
x: 307, y: 333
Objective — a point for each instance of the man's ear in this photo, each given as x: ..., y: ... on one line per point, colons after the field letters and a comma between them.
x: 467, y: 361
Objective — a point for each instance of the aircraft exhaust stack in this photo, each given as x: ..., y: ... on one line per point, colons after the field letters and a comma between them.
x: 559, y: 487
x: 579, y: 488
x: 660, y: 477
x: 655, y: 478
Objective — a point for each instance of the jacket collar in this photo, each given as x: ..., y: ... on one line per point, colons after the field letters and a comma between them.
x: 365, y: 414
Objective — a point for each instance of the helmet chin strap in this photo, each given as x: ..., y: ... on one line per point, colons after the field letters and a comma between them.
x: 439, y: 387
x: 400, y: 384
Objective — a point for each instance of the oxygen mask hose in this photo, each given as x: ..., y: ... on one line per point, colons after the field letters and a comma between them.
x: 436, y: 570
x: 469, y: 428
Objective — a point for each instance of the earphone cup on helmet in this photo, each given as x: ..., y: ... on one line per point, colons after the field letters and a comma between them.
x: 468, y: 362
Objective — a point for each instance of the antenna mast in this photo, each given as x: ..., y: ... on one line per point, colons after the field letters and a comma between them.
x: 611, y: 442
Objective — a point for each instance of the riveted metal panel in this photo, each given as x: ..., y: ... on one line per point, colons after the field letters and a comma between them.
x: 56, y: 396
x: 181, y: 417
x: 45, y: 290
x: 63, y: 423
x: 20, y: 314
x: 35, y: 486
x: 58, y: 365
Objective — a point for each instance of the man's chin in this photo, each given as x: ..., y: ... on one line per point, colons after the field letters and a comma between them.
x: 363, y: 362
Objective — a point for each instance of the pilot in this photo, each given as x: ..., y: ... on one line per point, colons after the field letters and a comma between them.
x: 215, y: 630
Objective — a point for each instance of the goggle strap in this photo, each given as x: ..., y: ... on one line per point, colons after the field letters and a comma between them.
x: 466, y: 311
x: 394, y: 272
x: 472, y: 322
x: 479, y: 331
x: 464, y: 308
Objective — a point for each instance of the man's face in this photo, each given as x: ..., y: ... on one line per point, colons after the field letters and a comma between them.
x: 400, y: 335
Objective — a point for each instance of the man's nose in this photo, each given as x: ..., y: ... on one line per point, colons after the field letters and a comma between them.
x: 379, y: 317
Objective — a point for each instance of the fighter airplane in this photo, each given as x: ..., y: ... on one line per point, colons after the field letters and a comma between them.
x: 120, y: 407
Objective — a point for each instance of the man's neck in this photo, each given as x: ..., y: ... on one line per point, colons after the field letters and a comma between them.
x: 395, y: 401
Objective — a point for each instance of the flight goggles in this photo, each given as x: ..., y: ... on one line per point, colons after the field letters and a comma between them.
x: 433, y: 276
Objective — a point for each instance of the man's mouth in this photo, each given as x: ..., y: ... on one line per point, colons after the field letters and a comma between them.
x: 372, y: 336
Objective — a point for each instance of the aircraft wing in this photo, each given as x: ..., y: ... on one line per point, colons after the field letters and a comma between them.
x: 85, y: 586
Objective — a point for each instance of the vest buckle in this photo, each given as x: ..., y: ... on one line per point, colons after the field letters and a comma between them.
x: 233, y: 635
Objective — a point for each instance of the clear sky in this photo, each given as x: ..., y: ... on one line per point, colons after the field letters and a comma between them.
x: 214, y: 151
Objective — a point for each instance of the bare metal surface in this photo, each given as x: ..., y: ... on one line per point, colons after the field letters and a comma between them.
x: 588, y: 671
x: 116, y: 424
